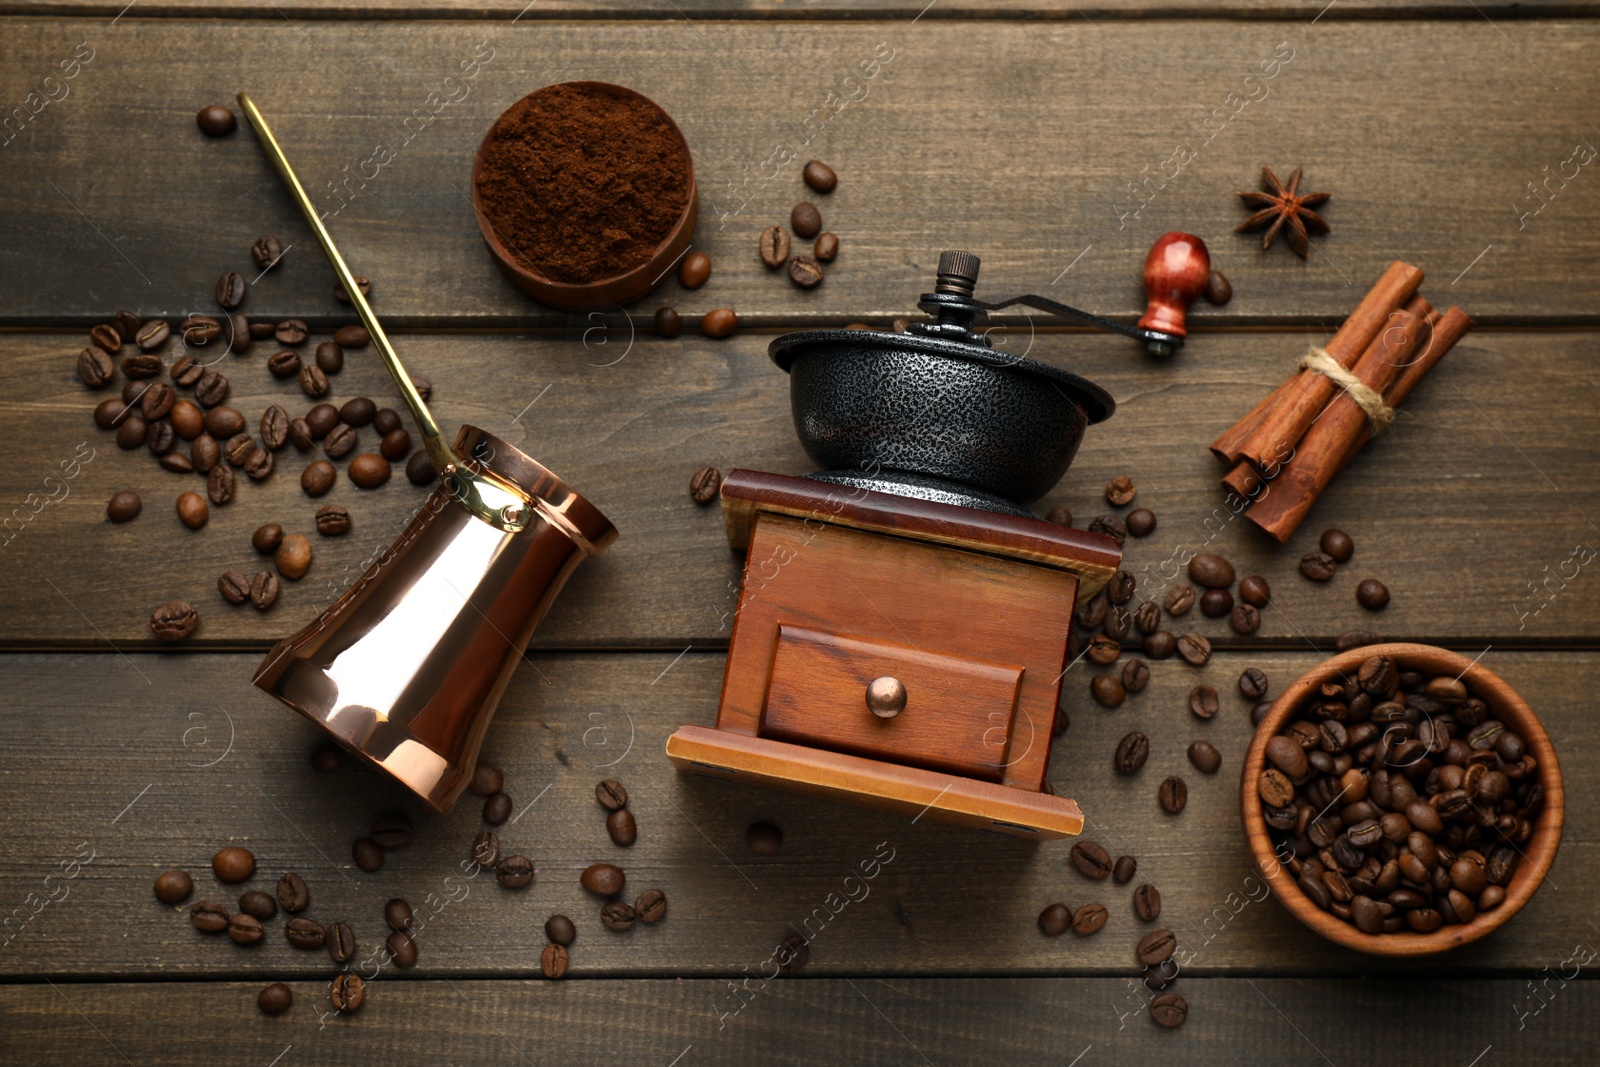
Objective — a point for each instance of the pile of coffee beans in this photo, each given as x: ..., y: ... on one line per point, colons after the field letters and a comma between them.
x: 1403, y: 802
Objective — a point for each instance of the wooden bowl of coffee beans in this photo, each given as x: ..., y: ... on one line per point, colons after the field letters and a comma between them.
x: 1402, y: 800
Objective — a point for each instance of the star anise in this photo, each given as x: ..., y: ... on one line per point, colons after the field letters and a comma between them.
x: 1283, y: 208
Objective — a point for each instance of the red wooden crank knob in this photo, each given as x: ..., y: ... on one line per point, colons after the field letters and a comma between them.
x: 1175, y: 273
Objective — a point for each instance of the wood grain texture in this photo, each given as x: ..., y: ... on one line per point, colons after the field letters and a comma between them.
x: 1038, y: 166
x: 798, y: 1021
x: 130, y: 761
x: 1440, y: 507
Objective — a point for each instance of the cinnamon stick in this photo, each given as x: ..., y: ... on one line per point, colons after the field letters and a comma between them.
x: 1303, y: 397
x: 1398, y: 363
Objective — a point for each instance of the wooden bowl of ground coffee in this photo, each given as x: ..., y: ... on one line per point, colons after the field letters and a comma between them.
x: 585, y: 194
x: 1402, y: 800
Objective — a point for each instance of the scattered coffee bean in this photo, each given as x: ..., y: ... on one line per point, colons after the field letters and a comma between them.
x: 1205, y: 757
x: 623, y: 829
x: 292, y: 893
x: 1253, y: 683
x: 110, y: 412
x: 354, y: 337
x: 1089, y: 919
x: 238, y: 334
x: 793, y: 954
x: 651, y: 907
x: 362, y: 283
x: 1160, y: 976
x: 1355, y: 639
x: 1218, y: 289
x: 258, y: 904
x: 274, y: 999
x: 1156, y: 947
x: 705, y: 486
x: 559, y: 929
x: 1131, y: 753
x: 514, y: 872
x: 602, y: 879
x: 205, y: 453
x: 487, y: 780
x: 395, y: 445
x: 553, y: 960
x: 1107, y: 690
x: 1147, y: 903
x: 1245, y: 619
x: 1215, y: 603
x: 294, y: 332
x: 215, y: 120
x: 1173, y: 795
x: 151, y: 336
x: 275, y: 427
x: 303, y: 933
x: 1055, y: 920
x: 313, y: 382
x: 285, y: 364
x: 695, y: 270
x: 1169, y: 1010
x: 819, y: 176
x: 719, y: 323
x: 1147, y: 618
x: 1211, y: 571
x: 1338, y: 545
x: 1194, y: 648
x: 419, y: 468
x: 260, y: 331
x: 333, y: 520
x: 234, y: 587
x: 237, y: 449
x: 160, y: 437
x: 224, y: 423
x: 805, y: 272
x: 1135, y: 675
x: 391, y: 831
x: 402, y: 949
x: 367, y: 853
x: 486, y: 848
x: 340, y: 441
x: 1123, y: 871
x: 1203, y: 701
x: 123, y: 506
x: 1059, y: 516
x: 187, y: 419
x: 266, y: 251
x: 618, y: 916
x: 318, y: 477
x: 209, y: 917
x: 258, y: 464
x: 1372, y: 594
x: 1141, y: 522
x: 1318, y: 566
x: 233, y: 864
x: 1110, y: 526
x: 668, y: 322
x: 1120, y: 491
x: 211, y: 389
x: 497, y: 809
x: 1091, y: 860
x: 347, y: 992
x: 1255, y: 591
x: 174, y: 886
x: 1160, y: 645
x: 826, y: 248
x: 805, y: 220
x: 95, y: 368
x: 397, y: 913
x: 231, y: 289
x: 1179, y: 599
x: 340, y: 941
x: 174, y: 621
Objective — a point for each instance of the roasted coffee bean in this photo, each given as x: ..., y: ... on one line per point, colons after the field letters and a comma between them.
x: 1107, y: 690
x: 139, y: 367
x: 318, y: 477
x: 294, y: 332
x: 1253, y: 683
x: 198, y: 331
x: 187, y: 419
x: 1337, y: 544
x: 1245, y: 619
x: 391, y: 831
x: 303, y: 933
x: 559, y: 929
x: 487, y: 780
x: 258, y: 904
x: 274, y: 999
x: 367, y: 853
x: 1059, y: 516
x: 1119, y: 590
x: 1160, y: 645
x: 402, y: 949
x: 234, y: 587
x: 1173, y: 795
x: 233, y: 864
x: 358, y: 411
x: 340, y: 441
x: 1205, y: 757
x: 174, y: 886
x: 1089, y: 919
x: 292, y: 893
x: 160, y: 438
x: 333, y: 520
x: 602, y: 879
x: 386, y: 420
x: 1147, y: 618
x: 1140, y: 522
x: 1160, y: 976
x: 285, y: 364
x: 132, y: 433
x: 348, y: 337
x: 1156, y: 947
x: 651, y: 907
x: 1286, y: 754
x: 192, y: 510
x: 110, y: 412
x: 1255, y: 591
x: 611, y: 794
x: 231, y: 289
x: 340, y: 941
x: 238, y: 449
x: 397, y: 913
x: 1135, y: 675
x: 486, y: 848
x: 1055, y: 920
x: 260, y: 331
x: 695, y: 270
x: 705, y: 485
x: 238, y: 334
x: 420, y: 470
x: 347, y: 992
x: 362, y: 283
x: 151, y: 336
x: 1124, y: 870
x: 368, y: 470
x: 1218, y: 289
x: 497, y: 809
x: 805, y: 272
x: 719, y: 322
x: 1179, y: 599
x: 1147, y: 903
x: 826, y: 247
x: 209, y: 917
x: 1131, y: 753
x: 313, y: 382
x: 321, y: 419
x: 1169, y: 1010
x: 623, y: 829
x: 1103, y: 650
x: 1120, y: 491
x: 258, y: 464
x: 514, y: 872
x: 395, y: 446
x: 266, y: 251
x: 1092, y: 613
x: 819, y: 176
x: 668, y: 322
x: 1355, y: 639
x: 95, y: 368
x: 106, y: 337
x: 1318, y: 566
x: 553, y: 960
x: 224, y: 422
x: 1372, y: 594
x: 805, y: 220
x: 219, y: 484
x: 1275, y: 789
x: 1194, y: 648
x: 127, y: 324
x: 1091, y: 860
x: 1215, y: 603
x: 275, y: 427
x: 205, y: 453
x: 618, y: 916
x: 300, y: 434
x: 124, y: 506
x: 215, y: 120
x: 1110, y: 526
x: 1211, y: 571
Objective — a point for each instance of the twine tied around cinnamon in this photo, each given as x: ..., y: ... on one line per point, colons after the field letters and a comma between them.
x: 1369, y: 400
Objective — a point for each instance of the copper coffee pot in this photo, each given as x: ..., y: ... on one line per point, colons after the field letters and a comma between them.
x: 406, y: 668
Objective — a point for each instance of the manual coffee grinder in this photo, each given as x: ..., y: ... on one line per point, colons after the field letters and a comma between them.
x: 904, y: 621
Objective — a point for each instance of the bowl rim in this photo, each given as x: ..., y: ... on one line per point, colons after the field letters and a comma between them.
x: 623, y: 288
x: 1508, y: 706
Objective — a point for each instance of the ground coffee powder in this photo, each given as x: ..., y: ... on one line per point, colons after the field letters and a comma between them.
x: 580, y: 184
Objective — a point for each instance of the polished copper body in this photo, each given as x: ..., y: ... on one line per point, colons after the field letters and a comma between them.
x: 406, y: 668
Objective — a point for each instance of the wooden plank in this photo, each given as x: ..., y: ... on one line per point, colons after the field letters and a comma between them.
x: 1040, y: 166
x: 148, y: 762
x: 1470, y: 508
x: 900, y: 1021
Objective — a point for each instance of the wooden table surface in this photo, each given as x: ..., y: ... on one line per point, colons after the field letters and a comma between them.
x: 1033, y: 134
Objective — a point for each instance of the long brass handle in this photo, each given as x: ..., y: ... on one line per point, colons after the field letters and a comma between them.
x: 489, y: 497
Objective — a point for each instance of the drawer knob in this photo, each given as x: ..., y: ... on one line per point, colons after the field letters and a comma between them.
x: 886, y: 697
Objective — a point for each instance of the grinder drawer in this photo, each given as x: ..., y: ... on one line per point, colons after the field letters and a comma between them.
x: 955, y: 715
